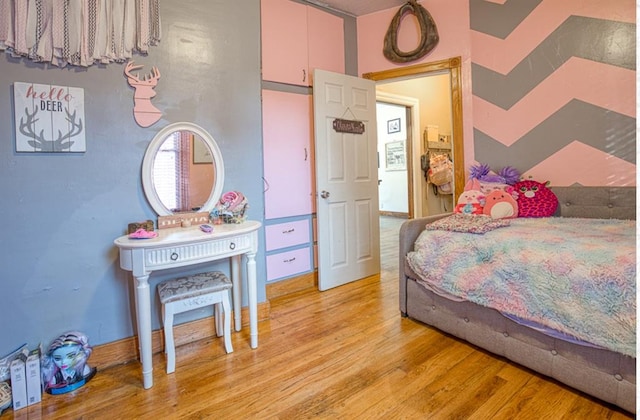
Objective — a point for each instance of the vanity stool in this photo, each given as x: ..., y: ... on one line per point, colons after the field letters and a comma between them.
x: 186, y: 293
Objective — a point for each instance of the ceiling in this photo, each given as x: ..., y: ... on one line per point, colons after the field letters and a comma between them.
x: 358, y: 7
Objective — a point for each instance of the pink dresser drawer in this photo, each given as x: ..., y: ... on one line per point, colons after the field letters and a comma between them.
x: 284, y: 235
x: 285, y: 264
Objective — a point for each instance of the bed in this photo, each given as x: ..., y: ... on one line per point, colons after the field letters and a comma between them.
x: 601, y: 372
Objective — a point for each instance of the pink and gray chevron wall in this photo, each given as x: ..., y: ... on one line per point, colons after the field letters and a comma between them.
x: 553, y: 85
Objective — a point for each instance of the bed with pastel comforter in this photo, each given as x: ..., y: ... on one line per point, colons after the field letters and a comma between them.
x: 557, y: 294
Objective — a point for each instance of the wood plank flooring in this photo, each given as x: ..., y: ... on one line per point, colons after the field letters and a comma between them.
x: 341, y: 354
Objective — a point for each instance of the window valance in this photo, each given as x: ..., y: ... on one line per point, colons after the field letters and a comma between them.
x: 78, y: 32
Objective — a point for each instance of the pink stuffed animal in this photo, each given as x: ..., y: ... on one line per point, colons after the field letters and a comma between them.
x: 535, y: 199
x: 490, y: 180
x: 472, y: 200
x: 500, y: 204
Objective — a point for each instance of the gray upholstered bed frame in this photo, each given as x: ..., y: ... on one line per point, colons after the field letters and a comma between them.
x: 603, y: 374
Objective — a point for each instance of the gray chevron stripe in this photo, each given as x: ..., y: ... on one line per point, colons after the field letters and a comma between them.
x: 599, y: 40
x: 609, y: 131
x: 499, y: 20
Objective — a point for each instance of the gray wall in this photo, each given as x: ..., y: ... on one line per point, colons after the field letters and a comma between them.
x: 59, y: 269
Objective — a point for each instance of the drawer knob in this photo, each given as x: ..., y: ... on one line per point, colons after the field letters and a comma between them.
x: 232, y: 246
x: 174, y: 256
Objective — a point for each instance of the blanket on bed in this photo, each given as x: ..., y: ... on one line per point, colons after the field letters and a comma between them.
x: 576, y: 276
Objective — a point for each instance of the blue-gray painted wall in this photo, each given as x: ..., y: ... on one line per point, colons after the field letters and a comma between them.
x: 59, y: 269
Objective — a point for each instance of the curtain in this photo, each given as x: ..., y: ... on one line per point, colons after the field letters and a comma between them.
x: 183, y: 194
x: 78, y: 32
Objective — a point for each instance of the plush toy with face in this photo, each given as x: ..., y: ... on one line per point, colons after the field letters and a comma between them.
x: 490, y: 180
x: 472, y: 200
x: 535, y: 199
x: 500, y: 204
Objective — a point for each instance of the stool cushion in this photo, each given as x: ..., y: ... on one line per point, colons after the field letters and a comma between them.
x: 191, y: 286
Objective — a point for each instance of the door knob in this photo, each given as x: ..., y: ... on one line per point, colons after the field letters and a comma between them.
x: 324, y: 194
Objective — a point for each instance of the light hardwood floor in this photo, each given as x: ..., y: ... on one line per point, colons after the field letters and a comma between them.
x: 340, y: 354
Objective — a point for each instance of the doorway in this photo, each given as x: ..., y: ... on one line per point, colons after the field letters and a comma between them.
x: 451, y: 68
x: 430, y: 136
x: 394, y: 122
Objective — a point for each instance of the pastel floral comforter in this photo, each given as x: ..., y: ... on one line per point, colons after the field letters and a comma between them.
x: 570, y: 275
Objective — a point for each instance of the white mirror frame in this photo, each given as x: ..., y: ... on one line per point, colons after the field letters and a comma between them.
x: 147, y: 166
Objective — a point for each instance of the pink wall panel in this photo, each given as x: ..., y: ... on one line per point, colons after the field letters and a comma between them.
x: 325, y: 33
x: 287, y: 171
x: 284, y: 57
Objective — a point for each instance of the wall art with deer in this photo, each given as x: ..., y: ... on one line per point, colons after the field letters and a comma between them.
x: 49, y: 118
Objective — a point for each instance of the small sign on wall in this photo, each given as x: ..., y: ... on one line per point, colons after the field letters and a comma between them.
x: 49, y: 118
x: 396, y: 156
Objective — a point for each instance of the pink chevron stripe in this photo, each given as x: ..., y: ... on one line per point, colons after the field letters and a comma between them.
x: 606, y: 86
x: 503, y: 55
x: 583, y: 164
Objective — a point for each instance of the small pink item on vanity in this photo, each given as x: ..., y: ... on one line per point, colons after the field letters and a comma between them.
x: 232, y: 199
x: 142, y: 234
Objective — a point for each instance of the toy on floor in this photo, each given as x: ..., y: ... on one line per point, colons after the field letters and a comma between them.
x: 65, y: 365
x: 535, y: 199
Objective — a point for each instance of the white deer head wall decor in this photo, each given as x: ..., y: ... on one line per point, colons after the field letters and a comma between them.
x: 144, y: 112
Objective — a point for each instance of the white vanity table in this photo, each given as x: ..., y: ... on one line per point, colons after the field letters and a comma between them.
x: 181, y: 247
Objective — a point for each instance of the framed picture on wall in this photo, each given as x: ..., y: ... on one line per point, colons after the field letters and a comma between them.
x: 395, y: 156
x: 393, y: 126
x: 201, y: 153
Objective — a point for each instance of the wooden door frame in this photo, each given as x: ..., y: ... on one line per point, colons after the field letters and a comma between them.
x: 454, y: 67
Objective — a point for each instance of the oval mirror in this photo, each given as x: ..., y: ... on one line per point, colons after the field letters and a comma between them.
x: 182, y: 170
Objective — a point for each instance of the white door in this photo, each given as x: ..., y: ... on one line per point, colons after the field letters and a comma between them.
x: 346, y: 180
